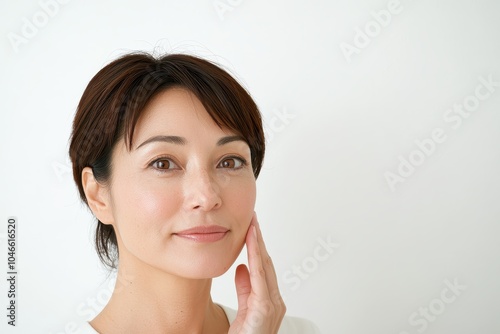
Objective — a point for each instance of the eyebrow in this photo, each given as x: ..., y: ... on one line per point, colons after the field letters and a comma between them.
x: 166, y: 139
x: 229, y: 139
x: 182, y: 141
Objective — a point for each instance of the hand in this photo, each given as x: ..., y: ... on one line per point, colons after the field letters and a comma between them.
x: 260, y: 306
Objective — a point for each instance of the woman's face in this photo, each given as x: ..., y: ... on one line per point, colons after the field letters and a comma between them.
x: 182, y: 172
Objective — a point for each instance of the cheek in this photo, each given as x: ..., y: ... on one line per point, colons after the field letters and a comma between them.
x: 156, y: 201
x: 239, y: 199
x: 146, y: 205
x: 244, y: 201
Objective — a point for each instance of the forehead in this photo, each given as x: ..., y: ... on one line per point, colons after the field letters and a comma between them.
x: 176, y: 111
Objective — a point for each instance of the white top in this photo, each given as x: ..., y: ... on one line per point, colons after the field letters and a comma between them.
x: 289, y: 325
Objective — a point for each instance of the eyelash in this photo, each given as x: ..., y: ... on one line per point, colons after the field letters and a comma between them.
x: 162, y: 158
x: 243, y: 162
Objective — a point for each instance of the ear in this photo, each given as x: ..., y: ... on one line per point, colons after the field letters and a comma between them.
x: 98, y: 197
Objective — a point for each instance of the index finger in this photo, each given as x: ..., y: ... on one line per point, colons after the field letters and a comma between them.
x: 271, y: 277
x: 255, y: 264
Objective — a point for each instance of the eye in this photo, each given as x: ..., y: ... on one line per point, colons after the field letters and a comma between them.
x: 232, y: 163
x: 164, y: 164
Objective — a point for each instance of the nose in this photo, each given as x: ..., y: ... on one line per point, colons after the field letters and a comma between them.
x: 201, y: 192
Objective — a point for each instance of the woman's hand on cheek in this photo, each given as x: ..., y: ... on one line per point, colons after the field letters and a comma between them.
x: 260, y: 306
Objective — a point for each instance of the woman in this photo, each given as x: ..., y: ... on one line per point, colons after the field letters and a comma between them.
x: 165, y: 153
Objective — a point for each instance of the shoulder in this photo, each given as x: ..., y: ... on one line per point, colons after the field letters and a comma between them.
x: 289, y: 325
x: 85, y: 328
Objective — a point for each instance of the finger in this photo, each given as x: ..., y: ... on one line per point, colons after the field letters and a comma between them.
x: 271, y: 277
x: 243, y: 290
x: 243, y: 287
x: 258, y: 278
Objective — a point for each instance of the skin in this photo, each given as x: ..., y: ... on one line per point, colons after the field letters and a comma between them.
x: 161, y: 187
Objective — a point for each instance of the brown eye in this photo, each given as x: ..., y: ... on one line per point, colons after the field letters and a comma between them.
x: 232, y: 163
x: 164, y: 164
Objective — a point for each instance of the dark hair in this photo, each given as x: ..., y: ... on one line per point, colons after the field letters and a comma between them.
x: 115, y: 98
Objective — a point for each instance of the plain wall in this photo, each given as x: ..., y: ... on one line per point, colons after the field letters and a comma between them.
x: 379, y: 194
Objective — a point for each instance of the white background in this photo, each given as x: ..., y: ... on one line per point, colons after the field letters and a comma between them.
x: 336, y: 125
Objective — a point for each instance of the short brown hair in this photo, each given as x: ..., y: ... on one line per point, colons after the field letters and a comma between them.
x: 115, y: 98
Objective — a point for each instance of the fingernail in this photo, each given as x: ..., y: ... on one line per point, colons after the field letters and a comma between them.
x: 255, y: 231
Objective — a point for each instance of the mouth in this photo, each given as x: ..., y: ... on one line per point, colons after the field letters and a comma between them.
x: 211, y: 233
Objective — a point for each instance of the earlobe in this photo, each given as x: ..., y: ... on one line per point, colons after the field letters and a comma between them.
x: 97, y: 197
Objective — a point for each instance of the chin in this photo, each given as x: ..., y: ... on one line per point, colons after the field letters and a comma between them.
x: 205, y: 272
x: 211, y: 266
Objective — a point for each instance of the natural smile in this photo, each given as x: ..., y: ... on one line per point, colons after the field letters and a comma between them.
x: 210, y: 233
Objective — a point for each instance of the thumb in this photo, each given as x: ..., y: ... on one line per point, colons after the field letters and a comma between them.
x: 243, y: 287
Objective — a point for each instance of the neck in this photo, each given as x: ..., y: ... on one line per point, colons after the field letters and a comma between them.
x: 147, y: 300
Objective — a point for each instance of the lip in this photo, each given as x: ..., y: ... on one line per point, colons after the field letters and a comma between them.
x: 210, y: 233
